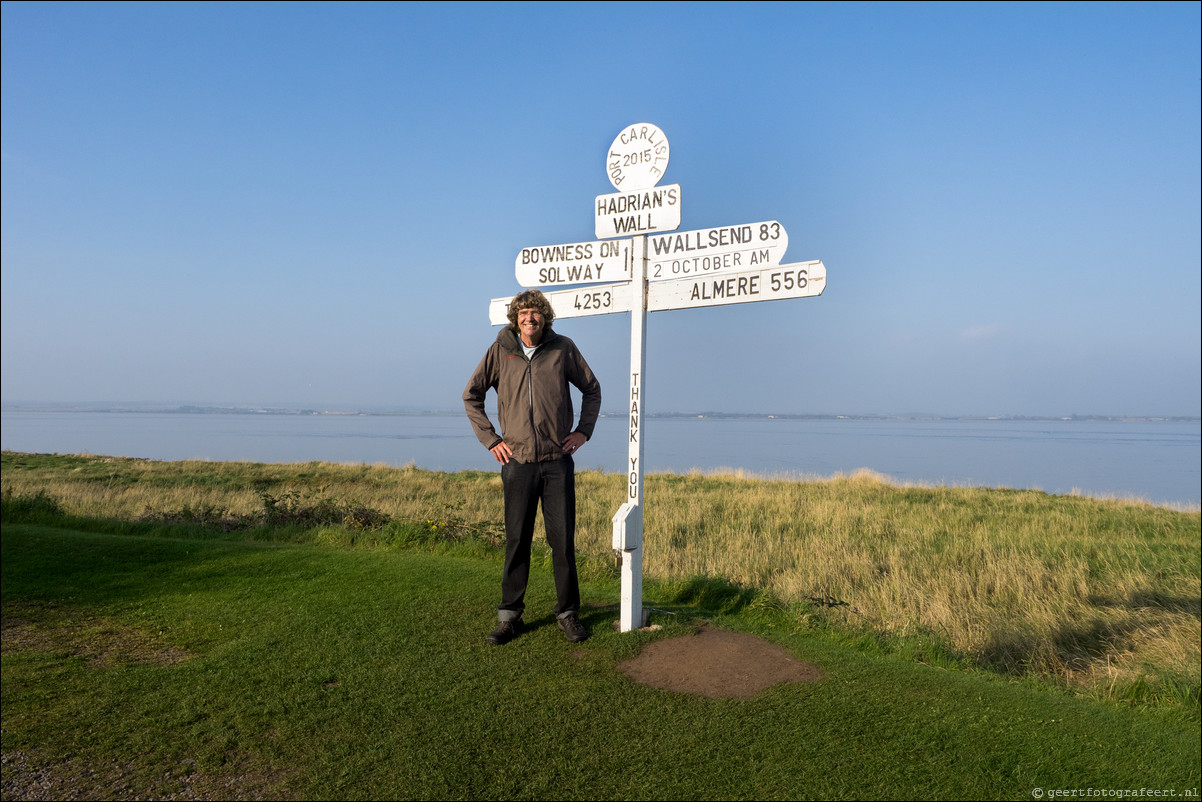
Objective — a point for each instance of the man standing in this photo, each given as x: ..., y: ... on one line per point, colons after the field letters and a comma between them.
x: 530, y: 366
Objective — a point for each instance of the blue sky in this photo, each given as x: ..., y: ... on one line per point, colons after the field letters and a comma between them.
x: 312, y: 204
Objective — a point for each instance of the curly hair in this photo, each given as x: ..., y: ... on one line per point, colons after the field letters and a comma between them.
x: 530, y: 299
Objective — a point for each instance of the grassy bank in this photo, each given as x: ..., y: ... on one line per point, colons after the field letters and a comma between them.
x: 1100, y: 595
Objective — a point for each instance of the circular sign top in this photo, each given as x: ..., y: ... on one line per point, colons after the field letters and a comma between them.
x: 637, y: 158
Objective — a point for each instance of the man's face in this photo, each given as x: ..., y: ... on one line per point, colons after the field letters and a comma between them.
x: 530, y: 326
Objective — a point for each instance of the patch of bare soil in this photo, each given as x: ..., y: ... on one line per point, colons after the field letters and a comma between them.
x: 32, y: 627
x: 29, y: 779
x: 101, y: 642
x: 717, y: 664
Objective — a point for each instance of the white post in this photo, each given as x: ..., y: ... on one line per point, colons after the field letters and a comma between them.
x: 632, y: 540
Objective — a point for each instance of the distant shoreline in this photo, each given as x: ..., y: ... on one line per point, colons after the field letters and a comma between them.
x: 196, y: 409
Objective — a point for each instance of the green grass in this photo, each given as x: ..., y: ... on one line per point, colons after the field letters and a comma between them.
x: 1100, y: 595
x: 318, y: 672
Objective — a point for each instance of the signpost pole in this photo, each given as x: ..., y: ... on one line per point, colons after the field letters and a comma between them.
x: 632, y: 543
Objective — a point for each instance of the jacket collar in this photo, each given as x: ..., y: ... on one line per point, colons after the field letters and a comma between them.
x: 508, y: 339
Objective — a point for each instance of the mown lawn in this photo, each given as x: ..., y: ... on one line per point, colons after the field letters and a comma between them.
x: 140, y: 666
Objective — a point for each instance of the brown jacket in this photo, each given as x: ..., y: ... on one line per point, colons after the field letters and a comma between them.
x: 533, y: 399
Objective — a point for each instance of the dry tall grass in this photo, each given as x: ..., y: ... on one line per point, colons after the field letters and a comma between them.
x: 1102, y: 593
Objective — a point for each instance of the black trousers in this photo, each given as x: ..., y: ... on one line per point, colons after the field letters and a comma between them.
x: 526, y: 485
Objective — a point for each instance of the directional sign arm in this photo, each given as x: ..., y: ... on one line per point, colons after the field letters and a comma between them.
x: 574, y: 263
x: 796, y: 280
x: 726, y: 249
x: 599, y: 299
x: 638, y: 212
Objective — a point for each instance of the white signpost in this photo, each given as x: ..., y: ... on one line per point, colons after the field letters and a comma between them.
x: 653, y: 272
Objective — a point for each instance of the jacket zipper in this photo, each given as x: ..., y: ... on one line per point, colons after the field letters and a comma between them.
x: 530, y: 392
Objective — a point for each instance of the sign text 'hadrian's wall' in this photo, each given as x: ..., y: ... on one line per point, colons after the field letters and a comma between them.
x: 625, y: 214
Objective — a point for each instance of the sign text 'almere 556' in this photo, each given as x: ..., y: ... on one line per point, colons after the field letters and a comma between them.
x: 656, y: 268
x: 800, y: 280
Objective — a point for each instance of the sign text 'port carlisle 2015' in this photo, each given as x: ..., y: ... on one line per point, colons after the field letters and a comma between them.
x: 650, y: 271
x: 637, y: 157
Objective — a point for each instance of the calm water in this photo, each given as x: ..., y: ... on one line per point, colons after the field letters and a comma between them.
x: 1156, y: 461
